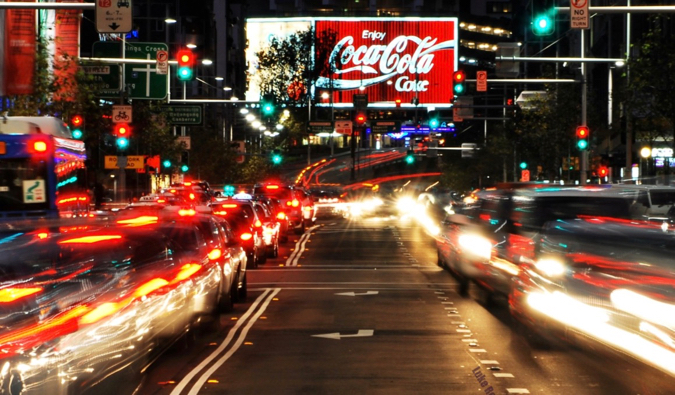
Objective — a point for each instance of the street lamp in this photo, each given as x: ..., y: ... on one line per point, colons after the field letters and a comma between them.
x: 645, y: 153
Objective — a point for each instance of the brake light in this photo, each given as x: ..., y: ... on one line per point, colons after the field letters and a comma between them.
x: 172, y: 190
x: 90, y: 239
x: 229, y: 206
x: 257, y: 223
x: 42, y: 235
x: 246, y: 236
x: 281, y: 216
x: 139, y: 221
x: 186, y: 212
x: 288, y: 203
x: 215, y: 254
x: 272, y: 186
x: 11, y: 294
x: 220, y: 212
x: 187, y: 184
x: 39, y: 146
x: 295, y: 203
x: 307, y: 208
x: 187, y: 271
x: 192, y: 196
x: 161, y: 200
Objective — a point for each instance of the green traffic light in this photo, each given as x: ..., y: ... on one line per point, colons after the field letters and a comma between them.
x: 122, y: 142
x: 543, y: 25
x: 185, y: 73
x: 276, y: 159
x: 523, y: 165
x: 582, y: 144
x: 409, y: 159
x: 184, y: 168
x: 166, y: 163
x: 459, y: 88
x: 433, y: 123
x: 268, y: 109
x: 77, y: 134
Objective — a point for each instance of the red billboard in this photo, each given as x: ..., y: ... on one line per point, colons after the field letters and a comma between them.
x: 19, y: 51
x: 390, y: 59
x: 384, y: 58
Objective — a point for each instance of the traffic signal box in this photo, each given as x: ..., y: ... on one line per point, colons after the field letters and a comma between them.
x: 410, y: 157
x: 186, y: 64
x: 360, y: 118
x: 458, y: 82
x: 77, y: 126
x: 122, y: 132
x: 276, y: 157
x: 268, y: 105
x: 582, y: 137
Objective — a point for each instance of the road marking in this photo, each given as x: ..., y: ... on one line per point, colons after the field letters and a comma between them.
x: 300, y: 247
x: 463, y: 330
x: 338, y: 336
x: 358, y: 294
x: 267, y: 296
x: 508, y: 375
x: 489, y: 362
x: 469, y: 340
x: 517, y: 391
x: 477, y: 350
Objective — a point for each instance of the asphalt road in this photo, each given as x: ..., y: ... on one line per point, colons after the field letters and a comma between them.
x: 360, y: 306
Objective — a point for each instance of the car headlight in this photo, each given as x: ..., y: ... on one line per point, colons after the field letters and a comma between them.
x: 551, y: 267
x: 476, y: 245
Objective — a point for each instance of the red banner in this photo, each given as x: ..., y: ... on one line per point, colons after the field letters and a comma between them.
x: 67, y: 44
x: 390, y: 58
x: 19, y: 51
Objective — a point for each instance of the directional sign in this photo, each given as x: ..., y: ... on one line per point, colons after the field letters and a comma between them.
x: 108, y: 77
x: 481, y: 81
x: 338, y: 336
x: 143, y: 80
x: 179, y: 114
x: 579, y: 15
x: 320, y: 127
x: 113, y: 16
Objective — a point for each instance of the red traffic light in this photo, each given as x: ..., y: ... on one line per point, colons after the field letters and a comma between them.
x: 361, y: 118
x: 122, y: 130
x: 459, y: 76
x: 582, y: 132
x: 398, y: 102
x: 185, y: 58
x: 76, y: 120
x: 603, y: 171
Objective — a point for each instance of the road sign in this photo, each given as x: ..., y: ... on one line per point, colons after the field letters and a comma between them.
x: 133, y: 161
x: 142, y: 80
x: 183, y: 115
x: 113, y: 16
x: 162, y: 62
x: 579, y: 15
x: 344, y: 127
x: 379, y: 127
x: 456, y: 116
x: 185, y: 140
x: 122, y: 114
x: 109, y: 76
x: 481, y: 81
x: 320, y: 127
x: 524, y: 175
x: 468, y: 150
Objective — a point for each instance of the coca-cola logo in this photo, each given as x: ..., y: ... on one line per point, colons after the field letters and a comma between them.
x: 398, y: 60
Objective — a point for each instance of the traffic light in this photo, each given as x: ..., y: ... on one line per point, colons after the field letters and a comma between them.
x: 433, y: 121
x: 166, y: 163
x: 276, y: 157
x: 523, y: 165
x: 603, y: 171
x: 543, y: 24
x: 186, y: 64
x: 360, y: 118
x: 228, y: 190
x: 458, y: 80
x: 77, y: 126
x: 185, y: 161
x: 582, y: 137
x: 398, y: 103
x: 268, y: 105
x: 410, y: 157
x: 184, y: 168
x: 122, y: 131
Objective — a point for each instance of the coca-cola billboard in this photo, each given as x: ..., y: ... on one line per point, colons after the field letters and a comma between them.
x: 385, y: 58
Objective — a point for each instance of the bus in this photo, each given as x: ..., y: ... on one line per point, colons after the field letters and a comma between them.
x: 42, y: 170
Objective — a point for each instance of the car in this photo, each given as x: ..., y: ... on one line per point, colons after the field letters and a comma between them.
x: 487, y: 241
x: 650, y: 202
x: 604, y: 281
x: 79, y: 294
x: 301, y: 210
x: 246, y: 226
x: 278, y: 213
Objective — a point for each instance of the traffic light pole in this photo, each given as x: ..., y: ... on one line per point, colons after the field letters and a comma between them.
x: 584, y: 99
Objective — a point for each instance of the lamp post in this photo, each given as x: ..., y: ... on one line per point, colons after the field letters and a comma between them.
x: 645, y: 153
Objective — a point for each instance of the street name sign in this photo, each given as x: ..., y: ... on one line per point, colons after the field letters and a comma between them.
x: 142, y: 80
x: 113, y: 16
x: 579, y: 15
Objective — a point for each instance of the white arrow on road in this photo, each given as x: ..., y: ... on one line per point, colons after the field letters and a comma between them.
x: 358, y: 294
x: 338, y: 336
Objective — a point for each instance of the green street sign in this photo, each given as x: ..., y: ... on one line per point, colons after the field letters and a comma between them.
x: 108, y: 76
x: 320, y: 127
x: 142, y: 80
x: 385, y: 126
x: 183, y: 115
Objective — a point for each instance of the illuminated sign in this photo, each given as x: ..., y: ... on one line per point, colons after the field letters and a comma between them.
x: 662, y: 152
x: 385, y: 58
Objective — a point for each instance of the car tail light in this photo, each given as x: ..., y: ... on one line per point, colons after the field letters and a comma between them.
x: 246, y: 236
x: 161, y: 200
x: 139, y: 221
x: 11, y: 294
x: 187, y: 271
x: 215, y: 254
x: 39, y: 146
x: 307, y: 208
x: 227, y: 205
x: 192, y: 196
x: 187, y: 184
x: 186, y: 212
x: 257, y: 223
x: 272, y: 187
x: 223, y: 213
x: 90, y: 239
x: 295, y: 203
x: 172, y: 190
x: 281, y: 216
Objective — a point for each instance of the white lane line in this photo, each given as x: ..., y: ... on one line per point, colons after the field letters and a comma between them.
x: 517, y: 391
x: 300, y: 247
x: 186, y: 380
x: 477, y: 350
x: 489, y: 362
x: 469, y: 340
x: 506, y: 375
x: 463, y: 330
x: 200, y: 382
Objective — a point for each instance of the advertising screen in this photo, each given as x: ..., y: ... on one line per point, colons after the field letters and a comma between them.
x: 385, y: 58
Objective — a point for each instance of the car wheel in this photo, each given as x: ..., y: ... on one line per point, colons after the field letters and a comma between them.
x: 243, y: 291
x: 226, y: 302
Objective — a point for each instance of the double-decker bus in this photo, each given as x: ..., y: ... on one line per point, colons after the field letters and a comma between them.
x: 42, y: 169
